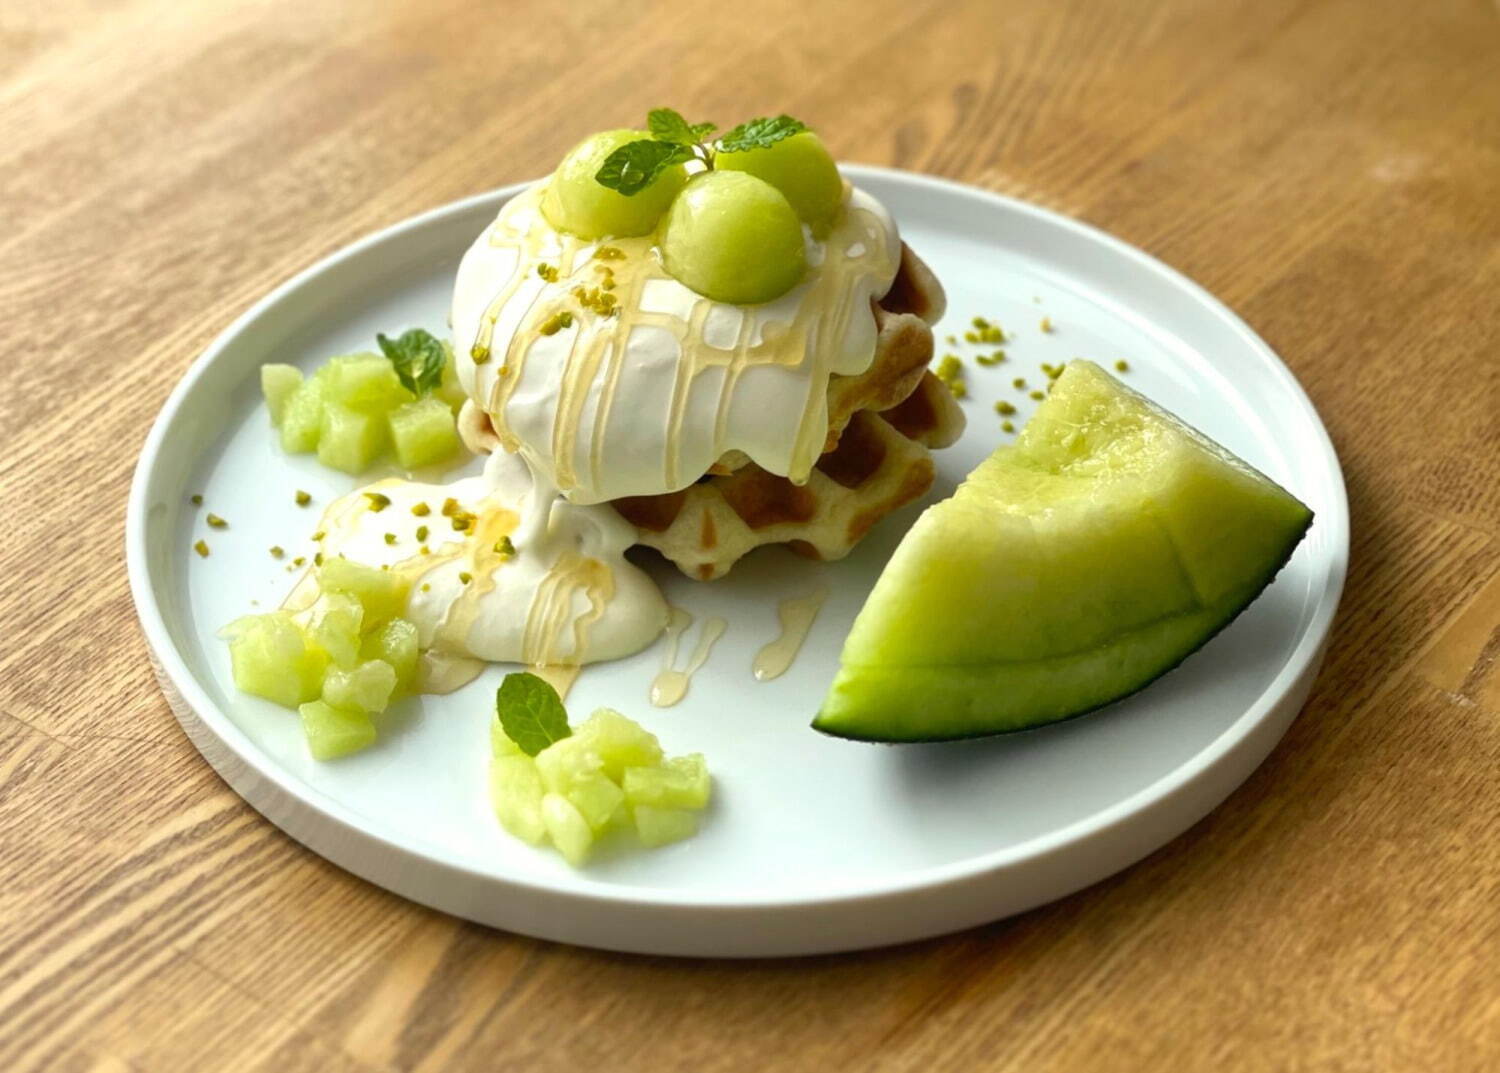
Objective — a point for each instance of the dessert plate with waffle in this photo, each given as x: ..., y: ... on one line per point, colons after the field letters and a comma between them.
x: 711, y: 549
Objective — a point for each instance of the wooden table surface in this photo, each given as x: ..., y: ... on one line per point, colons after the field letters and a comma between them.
x: 1331, y: 169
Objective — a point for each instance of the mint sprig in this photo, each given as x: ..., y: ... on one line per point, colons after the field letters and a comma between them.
x: 760, y: 133
x: 636, y: 165
x: 530, y: 712
x: 418, y: 357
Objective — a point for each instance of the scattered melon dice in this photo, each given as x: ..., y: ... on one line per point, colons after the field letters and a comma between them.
x: 680, y: 782
x: 395, y: 643
x: 423, y: 432
x: 348, y: 439
x: 566, y: 763
x: 333, y: 624
x: 270, y: 657
x: 366, y: 687
x: 659, y: 826
x: 567, y: 828
x: 516, y: 794
x: 278, y: 383
x: 450, y: 390
x: 381, y: 592
x: 332, y: 733
x: 620, y: 742
x: 364, y: 382
x: 302, y: 417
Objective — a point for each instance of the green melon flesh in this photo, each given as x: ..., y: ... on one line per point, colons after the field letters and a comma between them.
x: 1068, y: 570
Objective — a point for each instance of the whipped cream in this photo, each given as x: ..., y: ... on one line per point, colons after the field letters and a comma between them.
x: 646, y: 401
x: 567, y: 596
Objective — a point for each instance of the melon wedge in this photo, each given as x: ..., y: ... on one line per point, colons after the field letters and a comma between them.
x: 1069, y: 570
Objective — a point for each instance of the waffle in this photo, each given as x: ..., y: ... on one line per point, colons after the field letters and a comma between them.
x: 881, y: 462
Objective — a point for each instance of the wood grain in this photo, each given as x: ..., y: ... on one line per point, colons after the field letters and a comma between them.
x: 1330, y: 167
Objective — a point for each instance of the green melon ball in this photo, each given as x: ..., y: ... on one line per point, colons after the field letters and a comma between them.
x: 802, y: 169
x: 734, y: 238
x: 575, y: 202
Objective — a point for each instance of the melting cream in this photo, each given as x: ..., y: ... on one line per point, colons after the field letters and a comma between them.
x: 565, y: 596
x: 645, y: 400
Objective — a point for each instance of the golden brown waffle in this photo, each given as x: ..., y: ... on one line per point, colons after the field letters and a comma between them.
x: 881, y: 463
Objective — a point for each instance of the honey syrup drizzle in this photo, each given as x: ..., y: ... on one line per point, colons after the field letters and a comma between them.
x: 796, y: 615
x: 670, y: 684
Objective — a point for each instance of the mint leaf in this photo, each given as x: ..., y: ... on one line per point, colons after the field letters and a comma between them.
x: 419, y: 358
x: 760, y: 133
x: 531, y: 713
x: 635, y: 165
x: 669, y: 126
x: 702, y: 130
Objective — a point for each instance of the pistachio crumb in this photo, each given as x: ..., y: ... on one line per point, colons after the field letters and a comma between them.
x: 556, y: 323
x: 1038, y: 395
x: 299, y: 560
x: 1122, y: 366
x: 1004, y: 408
x: 303, y: 499
x: 319, y: 535
x: 465, y: 577
x: 479, y: 354
x: 953, y: 340
x: 390, y: 538
x: 504, y: 548
x: 215, y: 522
x: 450, y: 507
x: 547, y: 272
x: 971, y: 337
x: 421, y: 510
x: 1047, y: 324
x: 1007, y: 426
x: 1018, y: 383
x: 609, y: 253
x: 201, y: 548
x: 421, y: 532
x: 378, y: 500
x: 195, y: 499
x: 424, y: 550
x: 277, y: 551
x: 991, y: 359
x: 318, y: 559
x: 426, y: 587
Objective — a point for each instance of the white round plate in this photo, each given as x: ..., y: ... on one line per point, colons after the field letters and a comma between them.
x: 812, y: 844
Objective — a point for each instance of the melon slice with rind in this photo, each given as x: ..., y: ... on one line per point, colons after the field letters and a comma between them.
x: 1070, y: 569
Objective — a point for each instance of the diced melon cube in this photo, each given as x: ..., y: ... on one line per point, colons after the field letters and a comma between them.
x: 364, y: 688
x: 332, y: 733
x: 349, y: 440
x: 597, y: 798
x: 278, y: 383
x: 396, y: 644
x: 333, y: 624
x: 619, y: 741
x: 568, y: 829
x: 450, y: 390
x: 516, y: 795
x: 500, y: 743
x: 658, y: 826
x: 270, y: 658
x: 681, y: 782
x: 302, y: 417
x: 381, y: 592
x: 564, y: 763
x: 423, y: 432
x: 364, y: 382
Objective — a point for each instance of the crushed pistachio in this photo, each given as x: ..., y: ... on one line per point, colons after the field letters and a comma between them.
x: 421, y: 510
x: 277, y: 551
x: 215, y: 522
x: 953, y: 340
x: 609, y: 253
x: 1038, y: 395
x: 299, y: 560
x: 201, y: 548
x: 462, y: 521
x: 1052, y: 371
x: 465, y: 577
x: 195, y: 499
x: 426, y: 587
x: 424, y: 550
x: 421, y: 532
x: 390, y: 538
x: 1004, y: 409
x: 971, y: 337
x: 450, y: 507
x: 547, y: 272
x: 1018, y: 383
x: 319, y: 535
x: 594, y: 299
x: 479, y: 353
x: 303, y: 499
x: 556, y: 323
x: 991, y: 359
x: 951, y: 372
x: 1047, y: 324
x: 318, y: 559
x: 504, y: 548
x: 378, y: 500
x: 1122, y: 366
x: 1007, y: 426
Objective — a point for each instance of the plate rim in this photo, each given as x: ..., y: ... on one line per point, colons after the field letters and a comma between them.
x: 1295, y: 672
